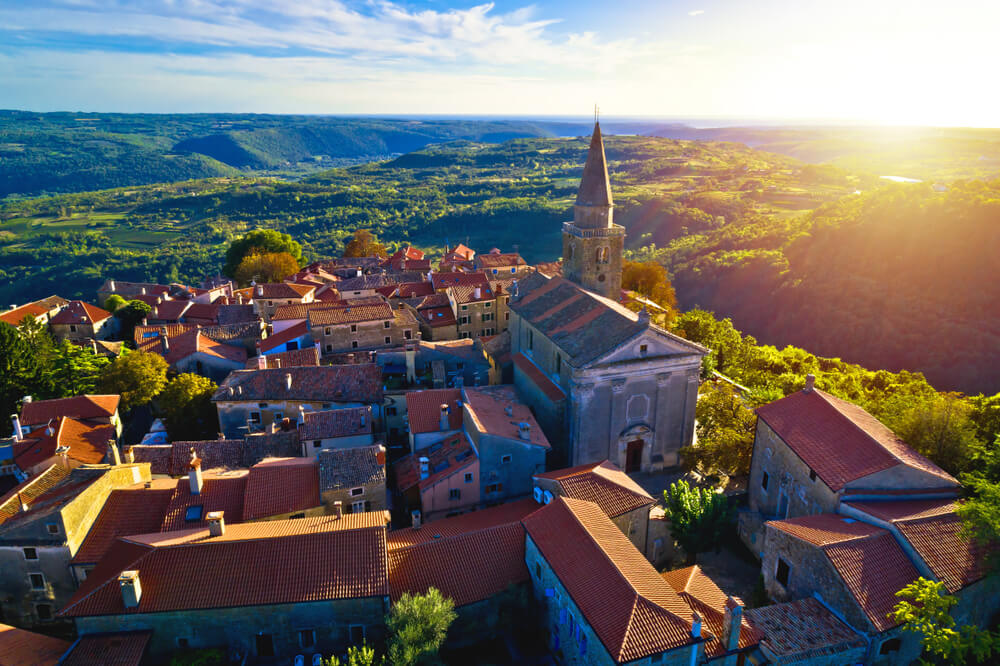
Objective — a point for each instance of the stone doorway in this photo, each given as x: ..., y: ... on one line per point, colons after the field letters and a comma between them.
x: 633, y: 456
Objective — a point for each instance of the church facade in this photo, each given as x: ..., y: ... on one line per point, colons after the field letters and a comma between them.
x: 603, y: 381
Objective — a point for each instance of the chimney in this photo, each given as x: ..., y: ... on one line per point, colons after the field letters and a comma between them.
x: 63, y: 452
x: 338, y: 509
x: 111, y: 284
x: 194, y: 473
x: 114, y: 457
x: 732, y: 617
x: 239, y: 299
x: 49, y: 429
x: 131, y: 590
x: 644, y: 315
x: 810, y: 383
x: 26, y: 399
x: 443, y: 421
x: 261, y: 362
x: 130, y: 454
x: 425, y: 467
x: 358, y: 274
x: 477, y: 293
x: 18, y: 432
x: 415, y: 519
x: 260, y: 290
x: 216, y: 523
x: 288, y: 380
x: 142, y: 291
x: 524, y: 431
x: 695, y: 625
x: 380, y: 455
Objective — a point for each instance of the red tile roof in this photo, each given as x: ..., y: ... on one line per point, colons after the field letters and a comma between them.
x: 466, y: 293
x: 30, y: 490
x: 437, y: 317
x: 281, y: 561
x: 444, y: 280
x: 281, y: 290
x: 447, y: 457
x: 39, y: 412
x: 15, y: 316
x: 218, y: 493
x: 119, y: 649
x: 88, y: 443
x: 277, y: 486
x: 217, y: 454
x: 18, y: 646
x: 286, y: 359
x: 127, y: 511
x: 488, y: 407
x: 539, y: 378
x: 500, y: 260
x: 351, y: 313
x: 633, y: 611
x: 203, y: 313
x: 169, y: 310
x: 474, y: 521
x: 294, y: 332
x: 840, y: 441
x: 905, y: 509
x: 603, y: 484
x: 78, y: 312
x: 336, y: 423
x: 423, y: 409
x: 414, y: 289
x: 360, y: 382
x: 298, y: 310
x: 803, y: 629
x: 182, y: 345
x: 823, y: 529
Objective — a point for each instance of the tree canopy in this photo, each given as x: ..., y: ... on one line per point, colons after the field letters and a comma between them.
x: 364, y: 244
x: 726, y: 427
x: 418, y: 625
x: 699, y: 517
x: 137, y: 377
x: 186, y: 402
x: 260, y: 241
x: 266, y: 267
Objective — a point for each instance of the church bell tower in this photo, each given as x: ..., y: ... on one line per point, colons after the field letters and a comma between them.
x: 592, y: 243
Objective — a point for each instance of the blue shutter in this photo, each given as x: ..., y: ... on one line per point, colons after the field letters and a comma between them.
x: 562, y: 616
x: 550, y: 592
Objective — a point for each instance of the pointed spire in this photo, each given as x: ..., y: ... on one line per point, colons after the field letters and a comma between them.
x: 595, y: 188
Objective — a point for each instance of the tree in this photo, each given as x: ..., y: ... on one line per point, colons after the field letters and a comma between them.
x: 137, y: 377
x: 18, y: 370
x: 267, y: 267
x: 418, y: 625
x: 187, y: 403
x: 129, y: 316
x: 651, y: 280
x: 924, y: 609
x: 726, y: 426
x: 356, y: 656
x: 698, y: 517
x: 941, y: 428
x: 260, y: 241
x: 113, y: 302
x: 364, y: 244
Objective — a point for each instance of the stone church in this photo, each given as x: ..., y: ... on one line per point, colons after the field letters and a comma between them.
x: 603, y: 381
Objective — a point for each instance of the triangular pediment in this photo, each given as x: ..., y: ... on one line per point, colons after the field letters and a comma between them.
x: 658, y: 344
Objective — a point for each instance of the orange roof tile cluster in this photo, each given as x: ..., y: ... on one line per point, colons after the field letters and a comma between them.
x: 203, y: 313
x: 277, y: 486
x: 551, y: 390
x: 87, y: 442
x: 704, y: 596
x: 332, y: 423
x: 447, y: 457
x: 466, y: 293
x: 169, y: 311
x: 840, y: 441
x: 287, y: 359
x: 436, y: 317
x: 602, y: 483
x: 281, y: 290
x: 495, y: 410
x: 118, y: 649
x: 38, y: 412
x: 346, y: 312
x: 218, y: 493
x: 360, y: 382
x: 803, y: 629
x: 127, y: 511
x: 29, y: 490
x: 867, y: 558
x: 298, y: 310
x: 78, y: 312
x: 36, y: 309
x: 500, y: 260
x: 633, y: 611
x: 18, y: 646
x: 442, y: 281
x: 414, y: 289
x: 423, y: 409
x: 890, y: 511
x: 252, y: 564
x: 182, y: 345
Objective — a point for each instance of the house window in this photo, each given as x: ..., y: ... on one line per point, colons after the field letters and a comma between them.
x: 390, y: 411
x: 254, y: 417
x: 262, y: 405
x: 408, y: 334
x: 464, y: 320
x: 37, y: 581
x: 72, y: 328
x: 494, y: 488
x: 354, y: 328
x: 265, y: 645
x: 494, y: 271
x: 465, y: 334
x: 454, y: 494
x: 357, y: 492
x: 317, y: 443
x: 782, y: 573
x: 307, y: 638
x: 193, y: 513
x: 360, y: 506
x: 30, y: 554
x: 183, y: 643
x: 278, y: 416
x: 357, y: 634
x: 385, y: 324
x: 531, y: 340
x: 354, y: 344
x: 764, y: 481
x: 329, y: 348
x: 812, y: 475
x: 44, y: 611
x: 558, y: 362
x: 506, y: 316
x: 488, y: 304
x: 889, y: 646
x: 465, y: 307
x: 505, y: 459
x: 52, y: 528
x: 468, y: 477
x: 328, y: 331
x: 643, y: 349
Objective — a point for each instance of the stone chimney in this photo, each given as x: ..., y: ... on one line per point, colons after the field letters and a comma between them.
x: 261, y: 362
x: 644, y: 316
x: 239, y: 299
x: 18, y: 432
x: 194, y: 473
x: 93, y: 347
x: 380, y: 455
x: 810, y: 383
x: 142, y: 291
x: 443, y: 421
x: 477, y: 293
x: 425, y: 467
x: 524, y: 431
x: 288, y: 381
x: 732, y: 617
x: 260, y: 290
x: 415, y: 519
x: 26, y: 399
x: 695, y: 625
x: 131, y: 590
x: 216, y: 523
x: 111, y: 285
x: 129, y: 455
x: 338, y: 509
x: 114, y: 457
x: 63, y: 452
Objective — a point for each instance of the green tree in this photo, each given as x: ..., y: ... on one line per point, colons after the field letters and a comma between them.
x: 726, y: 426
x: 941, y: 428
x: 75, y: 370
x: 260, y: 241
x: 925, y: 609
x: 418, y: 625
x: 356, y: 656
x: 131, y: 315
x: 113, y: 302
x: 267, y: 267
x: 137, y: 377
x: 699, y: 517
x: 187, y: 403
x: 18, y: 371
x: 651, y: 280
x: 364, y: 244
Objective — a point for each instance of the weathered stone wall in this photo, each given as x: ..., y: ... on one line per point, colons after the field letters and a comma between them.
x: 340, y: 338
x: 580, y: 263
x: 373, y: 493
x: 525, y: 460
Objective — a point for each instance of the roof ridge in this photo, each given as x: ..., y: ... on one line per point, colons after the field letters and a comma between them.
x: 825, y: 397
x: 149, y: 549
x: 628, y: 628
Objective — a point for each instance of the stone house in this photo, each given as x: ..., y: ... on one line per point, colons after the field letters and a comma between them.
x: 441, y: 480
x: 436, y: 318
x: 41, y: 311
x: 64, y: 441
x: 242, y: 334
x: 458, y: 259
x: 474, y: 305
x: 497, y: 264
x: 354, y: 478
x: 271, y: 602
x: 193, y: 351
x: 632, y: 616
x: 353, y: 326
x: 336, y: 429
x: 43, y: 522
x: 258, y: 400
x: 433, y: 415
x: 266, y: 298
x: 79, y: 322
x: 805, y: 632
x: 96, y: 409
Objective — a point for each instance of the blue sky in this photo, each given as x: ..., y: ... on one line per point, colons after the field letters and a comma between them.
x: 901, y: 61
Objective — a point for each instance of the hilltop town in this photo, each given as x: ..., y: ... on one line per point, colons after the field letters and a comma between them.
x: 381, y: 426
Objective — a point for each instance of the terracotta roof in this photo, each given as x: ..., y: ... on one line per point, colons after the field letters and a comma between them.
x: 15, y: 316
x: 298, y: 310
x: 502, y: 260
x: 414, y: 289
x: 118, y: 649
x: 435, y: 300
x: 18, y: 646
x: 954, y: 559
x: 127, y: 511
x: 466, y: 293
x: 294, y: 332
x: 29, y: 490
x: 463, y: 252
x: 47, y: 493
x: 444, y: 280
x: 182, y: 345
x: 127, y: 289
x: 326, y: 383
x: 595, y: 188
x: 905, y: 509
x: 603, y: 484
x: 840, y: 441
x: 823, y: 529
x: 487, y: 407
x: 473, y: 521
x: 550, y: 268
x: 551, y: 390
x: 222, y: 454
x: 437, y: 317
x: 38, y: 412
x: 350, y: 468
x: 802, y: 630
x: 423, y: 409
x: 350, y: 314
x: 218, y: 493
x: 88, y: 443
x: 633, y: 611
x: 336, y: 423
x: 447, y: 457
x: 236, y: 314
x: 280, y: 561
x: 286, y: 359
x: 281, y: 290
x: 203, y: 313
x: 169, y: 310
x: 704, y: 596
x: 78, y: 312
x: 278, y: 486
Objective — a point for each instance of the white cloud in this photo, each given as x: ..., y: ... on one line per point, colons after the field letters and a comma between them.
x: 696, y: 12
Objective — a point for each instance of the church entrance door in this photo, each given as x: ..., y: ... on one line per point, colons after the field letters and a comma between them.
x: 633, y: 456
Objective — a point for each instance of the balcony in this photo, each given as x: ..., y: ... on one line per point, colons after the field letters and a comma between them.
x: 613, y: 230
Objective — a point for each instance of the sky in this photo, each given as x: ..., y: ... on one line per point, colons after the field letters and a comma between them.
x: 872, y: 61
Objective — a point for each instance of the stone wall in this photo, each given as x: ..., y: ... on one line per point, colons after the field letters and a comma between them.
x: 373, y: 494
x: 340, y: 338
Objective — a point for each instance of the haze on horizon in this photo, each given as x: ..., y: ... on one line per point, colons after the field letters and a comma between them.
x: 907, y: 62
